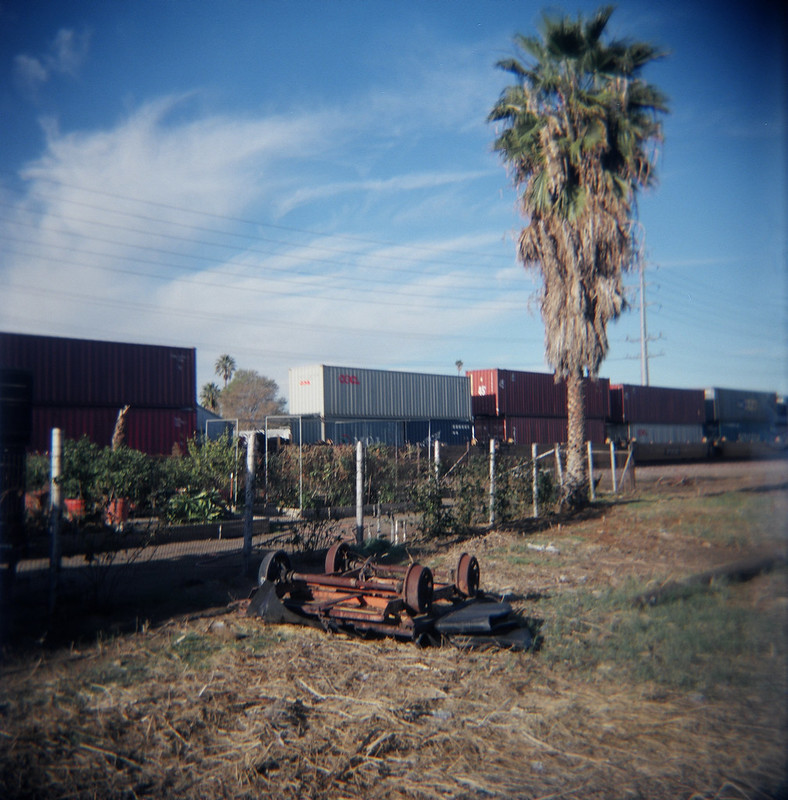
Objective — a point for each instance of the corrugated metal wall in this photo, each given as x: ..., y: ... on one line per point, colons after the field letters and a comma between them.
x: 390, y: 432
x: 349, y: 392
x: 740, y: 405
x: 533, y: 430
x: 81, y: 372
x: 80, y: 385
x: 665, y: 433
x: 152, y: 430
x: 657, y: 404
x: 502, y: 392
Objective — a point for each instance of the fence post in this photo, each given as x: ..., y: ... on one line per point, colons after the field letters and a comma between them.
x: 591, y: 489
x: 359, y: 493
x: 559, y: 470
x: 535, y: 476
x: 437, y: 459
x: 613, y: 466
x: 492, y: 481
x: 55, y: 514
x: 249, y: 487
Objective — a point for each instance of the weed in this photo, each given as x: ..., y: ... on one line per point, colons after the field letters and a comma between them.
x: 698, y: 642
x: 195, y: 650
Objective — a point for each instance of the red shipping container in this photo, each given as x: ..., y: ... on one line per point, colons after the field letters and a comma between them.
x: 501, y: 392
x: 533, y: 430
x: 81, y: 372
x: 154, y: 431
x: 630, y: 403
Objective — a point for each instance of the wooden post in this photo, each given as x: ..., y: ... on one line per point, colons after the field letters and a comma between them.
x: 613, y: 466
x: 535, y: 476
x: 359, y: 493
x: 437, y: 459
x: 591, y: 490
x: 492, y: 481
x: 55, y: 514
x: 251, y: 443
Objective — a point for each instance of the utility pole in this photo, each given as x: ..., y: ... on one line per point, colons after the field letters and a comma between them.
x: 638, y: 253
x: 643, y: 334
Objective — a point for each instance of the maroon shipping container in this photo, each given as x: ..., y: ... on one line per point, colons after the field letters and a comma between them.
x: 630, y: 403
x: 503, y: 392
x: 152, y: 430
x: 81, y: 372
x: 530, y: 430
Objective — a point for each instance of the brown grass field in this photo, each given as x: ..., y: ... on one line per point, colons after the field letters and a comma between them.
x: 683, y: 699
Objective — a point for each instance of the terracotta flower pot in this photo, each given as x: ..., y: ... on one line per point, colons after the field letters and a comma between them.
x: 75, y: 507
x: 117, y: 512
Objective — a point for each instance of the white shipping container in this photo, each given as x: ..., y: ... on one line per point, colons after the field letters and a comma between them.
x: 654, y: 433
x: 349, y: 392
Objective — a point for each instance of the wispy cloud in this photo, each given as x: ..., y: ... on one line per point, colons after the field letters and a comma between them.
x: 64, y: 56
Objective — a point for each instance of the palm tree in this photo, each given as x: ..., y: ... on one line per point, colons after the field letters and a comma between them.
x: 225, y: 367
x: 209, y: 396
x: 458, y: 363
x: 579, y: 133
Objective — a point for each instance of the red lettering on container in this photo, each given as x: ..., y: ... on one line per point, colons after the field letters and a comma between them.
x: 351, y: 379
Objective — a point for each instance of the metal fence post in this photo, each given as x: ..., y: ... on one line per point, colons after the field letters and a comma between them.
x: 437, y: 459
x: 591, y: 489
x: 55, y: 514
x: 359, y: 493
x: 558, y: 468
x: 613, y: 466
x: 251, y: 441
x: 535, y: 476
x: 492, y: 481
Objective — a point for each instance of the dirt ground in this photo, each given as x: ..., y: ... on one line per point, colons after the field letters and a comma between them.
x: 199, y: 700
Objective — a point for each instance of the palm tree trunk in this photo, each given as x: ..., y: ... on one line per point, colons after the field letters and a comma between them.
x: 574, y: 493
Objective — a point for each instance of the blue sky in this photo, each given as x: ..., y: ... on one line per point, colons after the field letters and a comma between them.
x: 313, y: 182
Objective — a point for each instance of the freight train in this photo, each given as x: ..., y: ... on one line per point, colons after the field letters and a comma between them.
x: 344, y: 404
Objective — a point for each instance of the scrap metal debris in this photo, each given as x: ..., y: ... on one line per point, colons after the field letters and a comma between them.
x: 357, y: 594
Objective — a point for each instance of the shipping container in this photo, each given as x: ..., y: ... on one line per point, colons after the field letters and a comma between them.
x: 656, y: 405
x: 347, y: 392
x: 446, y: 431
x: 502, y: 392
x: 155, y: 431
x: 347, y: 431
x: 665, y: 433
x: 532, y: 430
x: 747, y: 432
x: 81, y: 372
x: 740, y: 405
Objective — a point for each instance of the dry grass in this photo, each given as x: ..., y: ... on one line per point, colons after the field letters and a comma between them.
x: 226, y: 706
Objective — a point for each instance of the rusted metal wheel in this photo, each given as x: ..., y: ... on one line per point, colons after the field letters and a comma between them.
x: 337, y: 558
x: 467, y: 575
x: 417, y: 588
x: 274, y: 567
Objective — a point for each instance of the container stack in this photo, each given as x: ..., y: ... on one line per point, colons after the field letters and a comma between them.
x: 80, y: 386
x: 654, y: 415
x: 530, y: 407
x: 347, y: 404
x: 740, y: 415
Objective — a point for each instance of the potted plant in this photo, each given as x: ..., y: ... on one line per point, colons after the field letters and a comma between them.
x: 80, y: 466
x: 124, y: 481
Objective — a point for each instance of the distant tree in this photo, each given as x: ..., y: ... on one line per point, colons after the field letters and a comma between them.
x: 579, y: 132
x: 209, y: 396
x: 459, y: 365
x: 225, y: 368
x: 250, y: 397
